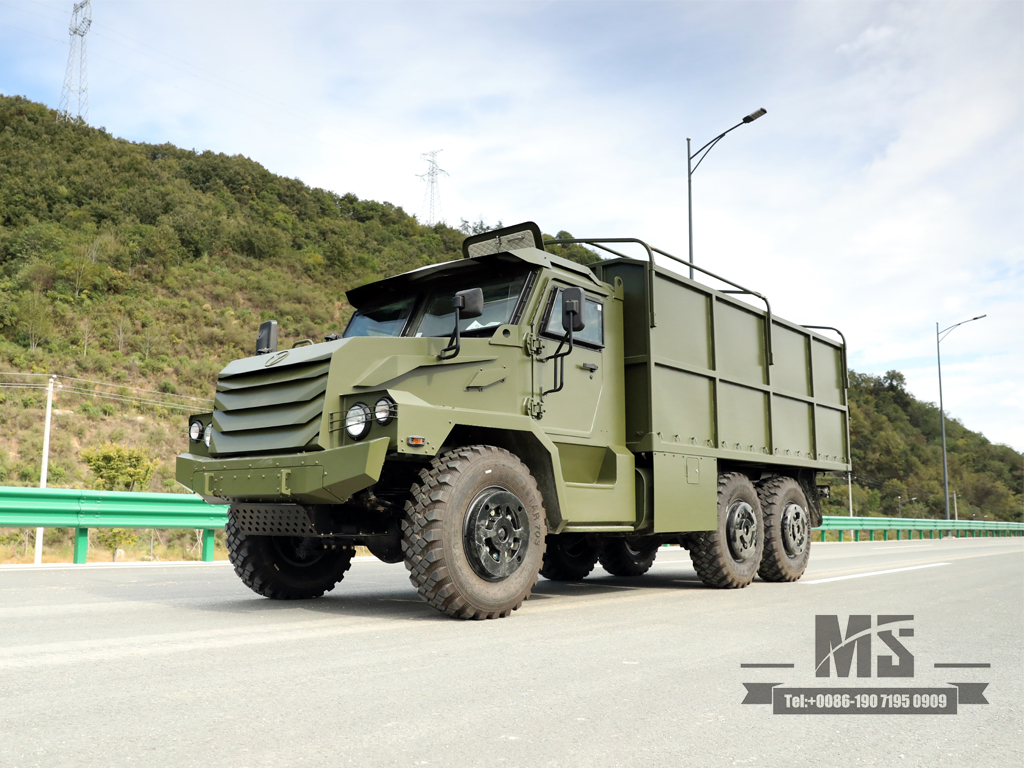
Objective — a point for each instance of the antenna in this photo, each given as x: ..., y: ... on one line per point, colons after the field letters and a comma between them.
x: 76, y: 79
x: 432, y: 196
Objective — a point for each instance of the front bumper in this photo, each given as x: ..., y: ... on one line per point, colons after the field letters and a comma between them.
x: 316, y: 477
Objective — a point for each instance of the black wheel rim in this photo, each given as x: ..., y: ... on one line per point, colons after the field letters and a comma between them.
x: 496, y: 534
x: 298, y: 552
x: 794, y: 529
x: 741, y: 531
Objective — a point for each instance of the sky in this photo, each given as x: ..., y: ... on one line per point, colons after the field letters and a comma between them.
x: 883, y: 191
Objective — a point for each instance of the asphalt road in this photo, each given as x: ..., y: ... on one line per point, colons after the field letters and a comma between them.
x: 182, y: 665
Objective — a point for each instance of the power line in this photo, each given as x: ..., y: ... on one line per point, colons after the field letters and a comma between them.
x: 76, y: 76
x: 432, y: 195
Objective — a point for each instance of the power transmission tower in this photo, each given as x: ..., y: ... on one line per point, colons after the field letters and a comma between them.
x: 432, y: 195
x: 76, y: 78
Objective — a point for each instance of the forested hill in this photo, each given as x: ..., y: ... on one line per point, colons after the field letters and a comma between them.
x: 150, y: 266
x: 897, y: 452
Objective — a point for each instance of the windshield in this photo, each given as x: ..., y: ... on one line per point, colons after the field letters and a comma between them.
x: 383, y: 320
x: 501, y: 294
x: 436, y: 317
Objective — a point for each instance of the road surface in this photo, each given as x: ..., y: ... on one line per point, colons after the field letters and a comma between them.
x: 180, y: 665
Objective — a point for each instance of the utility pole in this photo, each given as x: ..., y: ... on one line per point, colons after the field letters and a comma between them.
x: 81, y: 20
x: 46, y: 462
x: 432, y: 196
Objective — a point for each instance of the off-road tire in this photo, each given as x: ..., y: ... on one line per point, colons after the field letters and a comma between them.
x: 628, y: 557
x: 777, y: 562
x: 264, y: 566
x: 569, y: 557
x: 710, y: 552
x: 434, y: 532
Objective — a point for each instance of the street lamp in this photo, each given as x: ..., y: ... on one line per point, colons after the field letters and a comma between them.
x: 939, y: 336
x: 899, y: 503
x: 690, y: 167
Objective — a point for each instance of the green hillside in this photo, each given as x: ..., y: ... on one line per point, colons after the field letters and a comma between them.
x: 146, y: 267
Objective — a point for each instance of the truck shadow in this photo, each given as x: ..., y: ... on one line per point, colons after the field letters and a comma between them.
x: 395, y: 601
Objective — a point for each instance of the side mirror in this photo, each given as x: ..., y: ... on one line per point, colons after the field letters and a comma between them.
x: 266, y: 339
x: 469, y: 303
x: 572, y: 310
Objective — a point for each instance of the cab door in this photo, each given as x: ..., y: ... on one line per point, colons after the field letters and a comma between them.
x: 573, y: 410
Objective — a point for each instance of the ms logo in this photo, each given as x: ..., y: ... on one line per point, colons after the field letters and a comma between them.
x: 830, y: 646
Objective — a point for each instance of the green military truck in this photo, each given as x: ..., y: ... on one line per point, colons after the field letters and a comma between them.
x: 514, y: 413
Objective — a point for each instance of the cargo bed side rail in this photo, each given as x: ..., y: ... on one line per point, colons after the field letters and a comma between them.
x: 737, y: 288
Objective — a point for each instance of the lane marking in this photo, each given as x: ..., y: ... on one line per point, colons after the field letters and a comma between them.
x: 874, y: 573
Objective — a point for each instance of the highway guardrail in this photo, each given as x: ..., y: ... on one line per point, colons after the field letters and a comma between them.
x: 82, y: 510
x: 899, y: 525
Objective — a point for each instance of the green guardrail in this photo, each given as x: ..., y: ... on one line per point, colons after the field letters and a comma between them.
x: 958, y: 528
x: 82, y: 510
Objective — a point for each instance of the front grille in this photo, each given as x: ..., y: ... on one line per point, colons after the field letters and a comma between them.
x: 275, y: 410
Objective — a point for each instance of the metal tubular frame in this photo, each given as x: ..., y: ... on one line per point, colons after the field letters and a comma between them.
x: 650, y: 278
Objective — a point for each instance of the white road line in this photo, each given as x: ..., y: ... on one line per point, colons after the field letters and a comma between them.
x: 874, y: 573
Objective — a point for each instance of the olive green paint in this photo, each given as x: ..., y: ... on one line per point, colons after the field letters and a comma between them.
x: 633, y: 442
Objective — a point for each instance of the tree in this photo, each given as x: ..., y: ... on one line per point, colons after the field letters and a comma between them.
x: 119, y: 468
x: 88, y: 334
x: 81, y: 266
x: 121, y: 327
x: 34, y: 318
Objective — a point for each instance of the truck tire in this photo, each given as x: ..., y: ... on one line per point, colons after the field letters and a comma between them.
x: 787, y: 530
x: 474, y: 532
x: 628, y: 557
x: 569, y: 557
x: 728, y: 558
x: 286, y: 567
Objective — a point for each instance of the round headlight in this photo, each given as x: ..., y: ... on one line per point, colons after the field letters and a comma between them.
x: 384, y: 410
x: 195, y: 431
x: 357, y: 421
x: 207, y: 434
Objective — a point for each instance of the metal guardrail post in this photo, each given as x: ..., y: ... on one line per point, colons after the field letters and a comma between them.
x: 81, y: 545
x: 208, y: 542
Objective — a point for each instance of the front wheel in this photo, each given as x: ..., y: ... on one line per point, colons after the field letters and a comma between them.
x: 287, y: 567
x: 474, y: 531
x: 729, y: 557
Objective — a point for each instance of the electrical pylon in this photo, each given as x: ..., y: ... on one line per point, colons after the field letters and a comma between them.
x: 77, y: 87
x: 432, y: 195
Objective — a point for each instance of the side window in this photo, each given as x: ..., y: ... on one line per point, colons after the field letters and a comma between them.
x: 593, y: 316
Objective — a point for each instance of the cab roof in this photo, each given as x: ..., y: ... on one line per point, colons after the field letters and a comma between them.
x: 486, y: 263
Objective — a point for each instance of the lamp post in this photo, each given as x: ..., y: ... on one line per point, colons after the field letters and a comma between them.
x: 939, y: 336
x: 690, y: 167
x: 899, y: 503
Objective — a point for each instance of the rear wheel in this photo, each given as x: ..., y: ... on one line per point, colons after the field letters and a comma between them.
x: 628, y: 557
x: 787, y: 530
x: 287, y: 567
x: 569, y: 557
x: 473, y: 536
x: 729, y: 557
